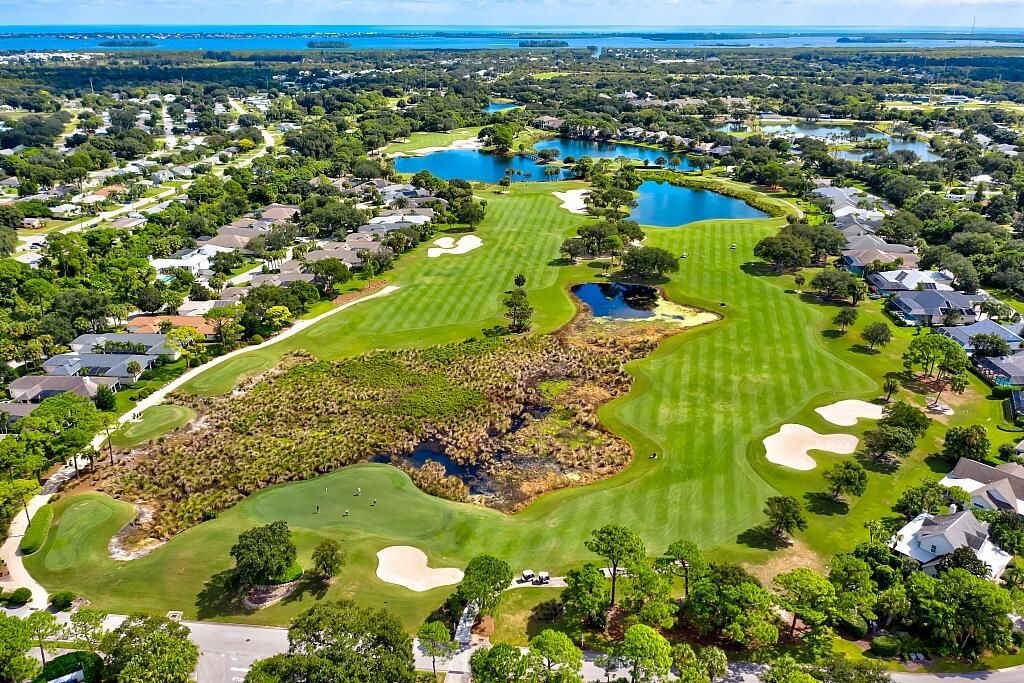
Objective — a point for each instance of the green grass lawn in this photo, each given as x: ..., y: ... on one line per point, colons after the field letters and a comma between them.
x: 154, y: 422
x: 703, y: 401
x: 521, y: 233
x: 319, y: 308
x: 421, y: 140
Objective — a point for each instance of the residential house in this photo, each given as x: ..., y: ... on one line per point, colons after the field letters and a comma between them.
x: 928, y: 538
x: 122, y: 342
x: 548, y: 122
x: 193, y: 260
x: 910, y: 280
x: 128, y: 222
x: 198, y: 308
x: 66, y: 210
x: 347, y: 256
x: 934, y: 307
x: 1002, y: 370
x: 36, y: 388
x: 278, y: 213
x: 964, y: 334
x: 152, y: 324
x: 98, y: 365
x: 230, y: 241
x: 281, y: 279
x: 13, y: 413
x: 857, y: 260
x: 162, y: 176
x: 990, y: 488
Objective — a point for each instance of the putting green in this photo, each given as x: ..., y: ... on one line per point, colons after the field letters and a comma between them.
x: 154, y: 422
x: 703, y: 401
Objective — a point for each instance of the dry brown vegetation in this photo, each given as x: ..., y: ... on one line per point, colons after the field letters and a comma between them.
x: 523, y: 409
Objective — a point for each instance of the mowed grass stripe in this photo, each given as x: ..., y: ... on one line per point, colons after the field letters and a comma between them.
x: 703, y: 400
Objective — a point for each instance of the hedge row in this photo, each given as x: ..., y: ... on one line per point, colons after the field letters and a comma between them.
x: 751, y: 197
x: 38, y: 529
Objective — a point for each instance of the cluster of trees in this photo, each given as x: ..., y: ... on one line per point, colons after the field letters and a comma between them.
x: 142, y: 648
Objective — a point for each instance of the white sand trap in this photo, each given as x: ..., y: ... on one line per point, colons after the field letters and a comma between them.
x: 447, y: 245
x: 573, y: 201
x: 846, y: 413
x: 406, y: 566
x: 788, y: 447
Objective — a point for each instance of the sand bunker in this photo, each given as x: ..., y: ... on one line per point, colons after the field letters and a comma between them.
x: 573, y: 200
x: 406, y: 566
x: 846, y: 413
x: 788, y: 447
x: 471, y: 143
x: 447, y: 245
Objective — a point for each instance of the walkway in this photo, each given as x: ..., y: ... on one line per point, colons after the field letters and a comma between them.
x: 18, y: 576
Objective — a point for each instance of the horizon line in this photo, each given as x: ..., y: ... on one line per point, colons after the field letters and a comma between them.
x: 653, y: 29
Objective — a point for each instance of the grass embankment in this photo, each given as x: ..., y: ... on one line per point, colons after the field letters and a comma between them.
x: 423, y: 140
x: 153, y: 423
x: 703, y: 401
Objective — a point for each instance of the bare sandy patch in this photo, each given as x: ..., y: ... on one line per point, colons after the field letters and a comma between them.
x: 471, y: 143
x: 447, y: 245
x: 790, y: 445
x: 573, y: 201
x: 406, y: 566
x: 846, y: 413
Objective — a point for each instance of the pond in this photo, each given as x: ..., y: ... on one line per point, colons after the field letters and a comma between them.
x: 618, y: 300
x: 474, y: 165
x: 495, y: 107
x: 663, y: 204
x: 478, y: 481
x: 919, y: 147
x: 570, y: 147
x: 816, y: 130
x: 471, y: 164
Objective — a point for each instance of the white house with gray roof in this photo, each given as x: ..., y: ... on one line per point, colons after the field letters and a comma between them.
x: 928, y: 538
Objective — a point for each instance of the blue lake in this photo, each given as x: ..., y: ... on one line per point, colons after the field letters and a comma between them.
x: 665, y: 205
x: 494, y: 107
x: 919, y: 147
x: 469, y: 164
x: 606, y: 150
x: 815, y: 130
x: 617, y: 300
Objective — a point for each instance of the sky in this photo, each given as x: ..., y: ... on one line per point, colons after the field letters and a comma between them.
x: 649, y: 13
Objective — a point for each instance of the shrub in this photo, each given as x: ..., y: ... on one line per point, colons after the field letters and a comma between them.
x: 89, y: 662
x: 257, y: 339
x: 37, y: 531
x: 886, y: 646
x: 61, y: 601
x: 19, y: 597
x: 1002, y: 391
x: 292, y: 573
x: 853, y: 624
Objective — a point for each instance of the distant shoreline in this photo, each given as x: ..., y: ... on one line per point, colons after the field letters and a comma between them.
x: 295, y: 38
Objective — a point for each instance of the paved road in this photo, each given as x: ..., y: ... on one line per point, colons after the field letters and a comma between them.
x: 229, y: 650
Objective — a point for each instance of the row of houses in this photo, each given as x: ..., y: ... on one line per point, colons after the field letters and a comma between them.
x: 928, y: 538
x: 109, y: 360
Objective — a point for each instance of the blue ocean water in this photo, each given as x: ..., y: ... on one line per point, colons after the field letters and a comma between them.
x: 364, y: 37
